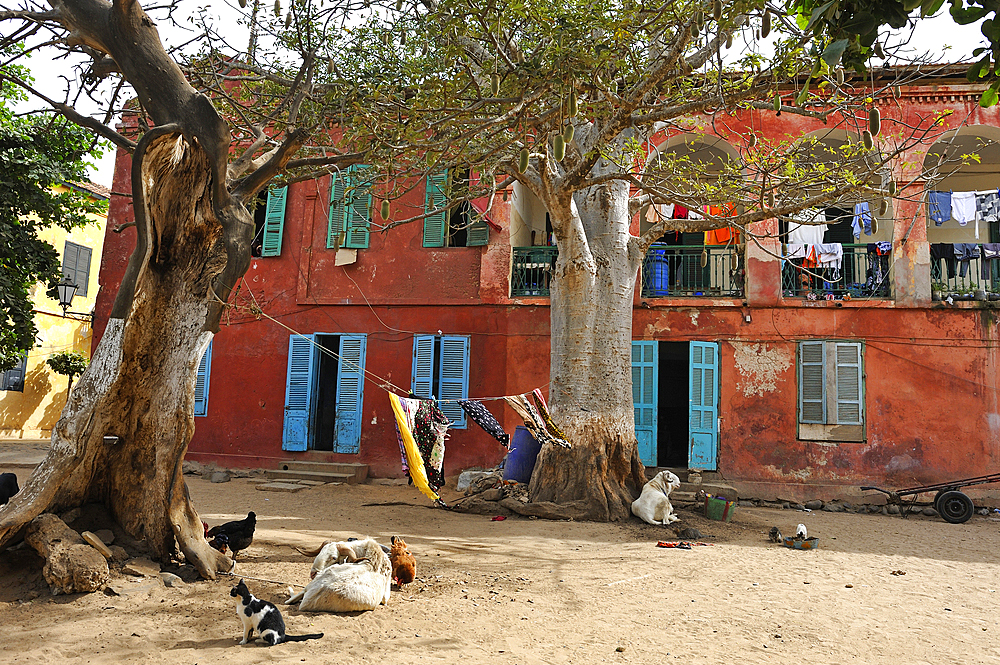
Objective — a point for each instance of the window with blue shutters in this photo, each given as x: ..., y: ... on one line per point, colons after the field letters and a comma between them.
x: 350, y: 210
x: 201, y: 383
x: 441, y: 371
x: 831, y: 390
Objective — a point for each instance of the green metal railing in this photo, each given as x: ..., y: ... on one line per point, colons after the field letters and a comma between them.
x: 677, y: 271
x: 862, y: 274
x: 947, y: 276
x: 532, y: 270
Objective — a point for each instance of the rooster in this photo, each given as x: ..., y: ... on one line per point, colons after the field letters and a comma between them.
x: 238, y: 534
x: 403, y: 563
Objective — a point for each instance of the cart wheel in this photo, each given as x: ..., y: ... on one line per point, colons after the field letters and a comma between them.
x: 955, y: 507
x: 937, y: 500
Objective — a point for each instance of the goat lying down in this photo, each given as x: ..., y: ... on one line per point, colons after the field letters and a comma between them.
x: 347, y: 576
x: 653, y: 505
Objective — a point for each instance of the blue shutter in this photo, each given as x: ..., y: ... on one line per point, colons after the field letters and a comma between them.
x: 358, y: 211
x: 644, y: 384
x: 423, y: 365
x: 434, y: 197
x: 850, y: 402
x: 453, y: 378
x: 812, y: 382
x: 336, y: 224
x: 350, y: 393
x: 201, y: 383
x: 274, y: 221
x: 299, y: 392
x: 703, y: 405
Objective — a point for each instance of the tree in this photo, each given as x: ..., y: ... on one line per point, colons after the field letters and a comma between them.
x: 318, y: 89
x: 35, y: 154
x: 67, y: 363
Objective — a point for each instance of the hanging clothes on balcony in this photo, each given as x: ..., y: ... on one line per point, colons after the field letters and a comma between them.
x: 965, y: 252
x: 991, y: 253
x: 862, y: 219
x: 479, y: 415
x: 988, y: 205
x: 806, y: 229
x: 797, y: 250
x: 963, y: 207
x: 940, y: 207
x: 680, y: 212
x: 946, y: 251
x: 878, y: 266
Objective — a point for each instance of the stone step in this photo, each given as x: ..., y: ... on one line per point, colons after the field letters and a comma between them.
x: 319, y: 476
x: 359, y: 471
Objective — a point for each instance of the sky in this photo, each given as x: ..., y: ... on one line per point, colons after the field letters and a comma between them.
x: 938, y: 35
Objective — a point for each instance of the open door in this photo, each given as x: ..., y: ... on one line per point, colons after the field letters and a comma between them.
x: 644, y: 382
x: 703, y: 409
x: 350, y: 389
x: 299, y: 392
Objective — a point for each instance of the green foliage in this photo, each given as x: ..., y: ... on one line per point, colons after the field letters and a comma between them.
x: 67, y: 363
x: 35, y: 154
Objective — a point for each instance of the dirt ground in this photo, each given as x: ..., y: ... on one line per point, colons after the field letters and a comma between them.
x: 531, y: 591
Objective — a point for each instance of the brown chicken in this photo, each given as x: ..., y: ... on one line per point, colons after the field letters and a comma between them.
x: 404, y: 566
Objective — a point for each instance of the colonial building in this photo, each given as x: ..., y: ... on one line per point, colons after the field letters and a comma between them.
x: 786, y: 382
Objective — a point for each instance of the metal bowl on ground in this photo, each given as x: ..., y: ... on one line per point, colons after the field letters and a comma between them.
x: 807, y: 544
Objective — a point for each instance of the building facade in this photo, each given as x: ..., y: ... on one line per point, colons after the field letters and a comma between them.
x: 789, y: 382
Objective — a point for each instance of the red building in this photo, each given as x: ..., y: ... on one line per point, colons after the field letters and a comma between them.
x: 735, y: 367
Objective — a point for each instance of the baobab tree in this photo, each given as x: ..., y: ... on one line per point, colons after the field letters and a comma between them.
x: 559, y: 97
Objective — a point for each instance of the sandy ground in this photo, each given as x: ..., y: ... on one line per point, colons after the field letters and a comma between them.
x: 531, y: 591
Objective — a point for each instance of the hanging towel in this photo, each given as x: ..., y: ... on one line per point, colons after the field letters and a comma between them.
x: 479, y: 415
x: 533, y: 420
x: 963, y: 206
x: 862, y: 219
x: 805, y: 228
x: 940, y: 207
x: 797, y: 250
x: 415, y: 462
x: 830, y: 255
x: 988, y: 205
x: 543, y: 411
x: 429, y: 431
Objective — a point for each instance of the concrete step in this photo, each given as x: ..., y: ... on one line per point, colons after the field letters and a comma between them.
x: 319, y: 476
x: 706, y: 476
x: 358, y: 471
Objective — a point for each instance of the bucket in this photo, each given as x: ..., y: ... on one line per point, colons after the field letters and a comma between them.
x: 719, y: 509
x: 520, y: 461
x: 658, y: 267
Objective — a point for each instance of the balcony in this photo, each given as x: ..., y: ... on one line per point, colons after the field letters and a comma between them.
x: 863, y: 274
x: 676, y: 271
x: 951, y: 277
x: 532, y: 272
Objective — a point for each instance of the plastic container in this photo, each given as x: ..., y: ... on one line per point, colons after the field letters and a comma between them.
x: 520, y: 461
x: 810, y: 543
x: 658, y: 280
x: 719, y: 509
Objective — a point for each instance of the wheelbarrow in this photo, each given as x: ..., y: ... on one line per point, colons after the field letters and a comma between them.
x: 952, y: 504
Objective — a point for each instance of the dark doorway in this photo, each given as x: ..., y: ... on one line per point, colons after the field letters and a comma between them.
x: 672, y: 405
x: 325, y: 432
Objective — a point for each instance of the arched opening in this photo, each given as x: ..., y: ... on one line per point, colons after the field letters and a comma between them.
x: 683, y: 264
x: 843, y: 248
x: 962, y: 177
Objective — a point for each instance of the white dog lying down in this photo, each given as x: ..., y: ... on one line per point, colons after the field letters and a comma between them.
x: 346, y: 577
x: 653, y: 505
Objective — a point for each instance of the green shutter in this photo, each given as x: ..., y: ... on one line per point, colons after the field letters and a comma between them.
x: 850, y: 405
x: 435, y: 225
x: 274, y: 221
x: 478, y: 234
x: 336, y: 225
x: 812, y: 382
x: 357, y: 211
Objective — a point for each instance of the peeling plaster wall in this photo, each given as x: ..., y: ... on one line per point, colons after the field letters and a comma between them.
x: 759, y: 367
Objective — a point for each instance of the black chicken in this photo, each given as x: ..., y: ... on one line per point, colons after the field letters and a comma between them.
x: 239, y: 533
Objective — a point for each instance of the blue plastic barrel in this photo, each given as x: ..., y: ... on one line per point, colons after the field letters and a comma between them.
x: 520, y: 460
x: 658, y: 267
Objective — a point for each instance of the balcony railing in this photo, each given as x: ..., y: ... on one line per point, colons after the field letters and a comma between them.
x: 862, y: 274
x: 532, y: 270
x: 952, y: 277
x: 677, y: 271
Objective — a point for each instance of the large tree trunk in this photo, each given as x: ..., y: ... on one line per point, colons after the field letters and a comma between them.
x: 124, y: 431
x: 591, y: 377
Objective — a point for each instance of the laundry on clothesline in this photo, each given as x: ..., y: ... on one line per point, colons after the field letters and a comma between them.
x: 479, y: 415
x: 535, y: 423
x: 405, y: 410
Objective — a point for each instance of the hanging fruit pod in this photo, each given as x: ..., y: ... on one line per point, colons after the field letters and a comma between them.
x: 752, y: 140
x: 399, y: 5
x: 704, y: 258
x: 384, y: 211
x: 896, y: 92
x: 875, y: 221
x: 277, y: 7
x: 558, y: 148
x: 765, y: 24
x: 243, y: 4
x: 840, y: 76
x: 729, y: 41
x: 777, y: 103
x: 522, y: 160
x: 495, y: 84
x: 770, y: 199
x: 288, y: 19
x: 867, y: 139
x: 717, y: 10
x: 874, y: 121
x: 568, y: 133
x: 572, y: 106
x: 883, y: 209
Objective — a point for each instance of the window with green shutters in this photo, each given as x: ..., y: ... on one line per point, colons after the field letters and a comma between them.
x: 831, y: 390
x: 76, y: 266
x: 350, y: 210
x: 435, y: 223
x: 456, y: 227
x: 274, y: 221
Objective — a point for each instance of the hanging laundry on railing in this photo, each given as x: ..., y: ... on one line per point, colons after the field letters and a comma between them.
x: 963, y: 207
x: 946, y: 251
x: 479, y: 415
x: 965, y: 252
x: 797, y: 250
x: 533, y: 421
x: 988, y: 205
x: 940, y: 207
x: 862, y: 219
x: 405, y: 410
x: 991, y: 253
x: 805, y: 228
x: 831, y: 257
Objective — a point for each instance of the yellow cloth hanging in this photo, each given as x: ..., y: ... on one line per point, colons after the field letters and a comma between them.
x: 413, y: 458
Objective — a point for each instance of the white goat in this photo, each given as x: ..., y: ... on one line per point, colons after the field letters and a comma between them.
x: 346, y: 577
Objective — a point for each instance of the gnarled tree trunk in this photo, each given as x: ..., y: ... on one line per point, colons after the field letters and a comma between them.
x: 591, y: 376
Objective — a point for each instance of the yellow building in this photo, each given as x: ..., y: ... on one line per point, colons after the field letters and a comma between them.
x: 32, y: 396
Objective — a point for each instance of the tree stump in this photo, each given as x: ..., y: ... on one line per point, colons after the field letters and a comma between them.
x: 71, y: 565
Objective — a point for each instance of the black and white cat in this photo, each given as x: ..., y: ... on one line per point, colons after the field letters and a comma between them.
x: 264, y: 617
